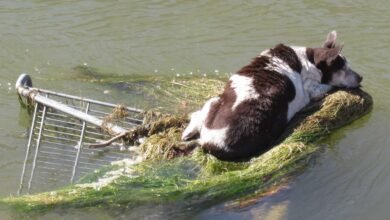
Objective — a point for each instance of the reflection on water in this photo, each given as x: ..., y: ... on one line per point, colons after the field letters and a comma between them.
x: 174, y: 38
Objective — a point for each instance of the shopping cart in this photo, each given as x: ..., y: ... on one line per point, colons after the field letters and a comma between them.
x: 62, y: 128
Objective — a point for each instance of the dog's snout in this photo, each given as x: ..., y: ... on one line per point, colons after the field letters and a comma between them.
x: 359, y: 78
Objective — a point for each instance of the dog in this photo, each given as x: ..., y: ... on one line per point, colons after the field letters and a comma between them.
x: 261, y: 98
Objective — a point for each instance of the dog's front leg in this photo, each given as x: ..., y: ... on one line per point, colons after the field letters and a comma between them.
x: 317, y: 90
x: 193, y: 128
x: 197, y: 120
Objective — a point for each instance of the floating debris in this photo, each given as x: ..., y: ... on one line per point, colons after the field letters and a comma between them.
x: 37, y: 69
x: 200, y: 179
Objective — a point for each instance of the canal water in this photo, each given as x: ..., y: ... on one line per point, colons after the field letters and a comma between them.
x: 174, y: 38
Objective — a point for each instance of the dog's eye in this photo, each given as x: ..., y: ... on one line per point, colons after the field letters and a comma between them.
x: 339, y: 63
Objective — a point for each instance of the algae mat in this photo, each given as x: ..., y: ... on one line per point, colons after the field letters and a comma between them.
x: 200, y: 180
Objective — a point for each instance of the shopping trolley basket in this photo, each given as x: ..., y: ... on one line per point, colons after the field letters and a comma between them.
x: 62, y: 127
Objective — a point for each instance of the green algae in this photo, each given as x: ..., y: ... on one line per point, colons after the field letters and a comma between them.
x: 200, y: 180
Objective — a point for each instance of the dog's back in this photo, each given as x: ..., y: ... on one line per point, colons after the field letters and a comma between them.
x: 252, y: 110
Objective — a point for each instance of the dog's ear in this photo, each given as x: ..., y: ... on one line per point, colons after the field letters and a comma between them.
x: 322, y: 55
x: 330, y: 41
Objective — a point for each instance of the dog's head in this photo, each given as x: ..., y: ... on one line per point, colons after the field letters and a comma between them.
x: 334, y: 66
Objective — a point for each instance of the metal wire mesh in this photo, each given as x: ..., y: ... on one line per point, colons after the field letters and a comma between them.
x: 57, y: 152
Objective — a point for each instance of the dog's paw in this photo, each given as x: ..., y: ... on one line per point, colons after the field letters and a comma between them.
x: 189, y: 135
x: 187, y: 147
x: 319, y: 97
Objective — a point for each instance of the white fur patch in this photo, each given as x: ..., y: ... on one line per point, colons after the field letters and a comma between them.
x: 243, y: 88
x: 194, y: 125
x: 301, y: 98
x: 265, y: 53
x: 315, y: 89
x: 311, y: 76
x: 198, y: 118
x: 309, y: 70
x: 345, y: 77
x: 216, y: 137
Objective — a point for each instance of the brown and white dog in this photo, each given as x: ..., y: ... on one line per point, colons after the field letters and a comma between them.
x: 260, y: 99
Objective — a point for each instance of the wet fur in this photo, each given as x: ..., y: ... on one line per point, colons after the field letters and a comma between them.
x: 260, y: 99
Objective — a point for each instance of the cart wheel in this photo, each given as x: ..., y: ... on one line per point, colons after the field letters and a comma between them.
x: 23, y: 80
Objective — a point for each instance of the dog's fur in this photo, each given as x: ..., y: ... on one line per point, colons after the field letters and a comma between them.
x: 260, y: 99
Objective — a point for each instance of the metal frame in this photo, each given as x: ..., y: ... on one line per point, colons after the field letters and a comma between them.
x: 60, y: 129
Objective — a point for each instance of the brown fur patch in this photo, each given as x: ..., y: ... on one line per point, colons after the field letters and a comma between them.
x: 220, y: 113
x: 254, y: 124
x: 288, y: 55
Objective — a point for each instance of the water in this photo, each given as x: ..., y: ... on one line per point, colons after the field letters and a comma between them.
x: 47, y: 38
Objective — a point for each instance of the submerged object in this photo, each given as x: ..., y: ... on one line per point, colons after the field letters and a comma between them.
x: 61, y: 126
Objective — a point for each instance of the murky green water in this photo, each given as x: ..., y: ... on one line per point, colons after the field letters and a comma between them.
x: 46, y: 39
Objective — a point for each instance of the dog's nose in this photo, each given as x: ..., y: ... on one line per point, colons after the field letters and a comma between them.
x: 360, y: 78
